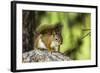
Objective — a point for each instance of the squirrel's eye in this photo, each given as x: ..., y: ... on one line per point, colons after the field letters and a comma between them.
x: 56, y: 39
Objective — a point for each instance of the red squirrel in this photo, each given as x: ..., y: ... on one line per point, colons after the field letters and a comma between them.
x: 49, y: 39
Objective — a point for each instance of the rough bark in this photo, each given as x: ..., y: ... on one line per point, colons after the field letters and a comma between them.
x: 43, y: 56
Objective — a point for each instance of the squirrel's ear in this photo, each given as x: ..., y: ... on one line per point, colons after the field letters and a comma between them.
x: 58, y: 27
x: 35, y: 33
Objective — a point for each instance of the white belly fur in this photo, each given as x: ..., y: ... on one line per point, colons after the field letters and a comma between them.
x: 54, y: 45
x: 41, y: 45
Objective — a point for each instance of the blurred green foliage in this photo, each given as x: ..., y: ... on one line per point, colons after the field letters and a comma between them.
x: 75, y: 32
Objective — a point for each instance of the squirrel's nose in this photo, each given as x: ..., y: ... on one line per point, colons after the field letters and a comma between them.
x: 60, y: 42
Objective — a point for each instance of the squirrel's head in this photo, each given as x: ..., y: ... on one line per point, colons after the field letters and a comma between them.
x: 54, y: 30
x: 57, y: 37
